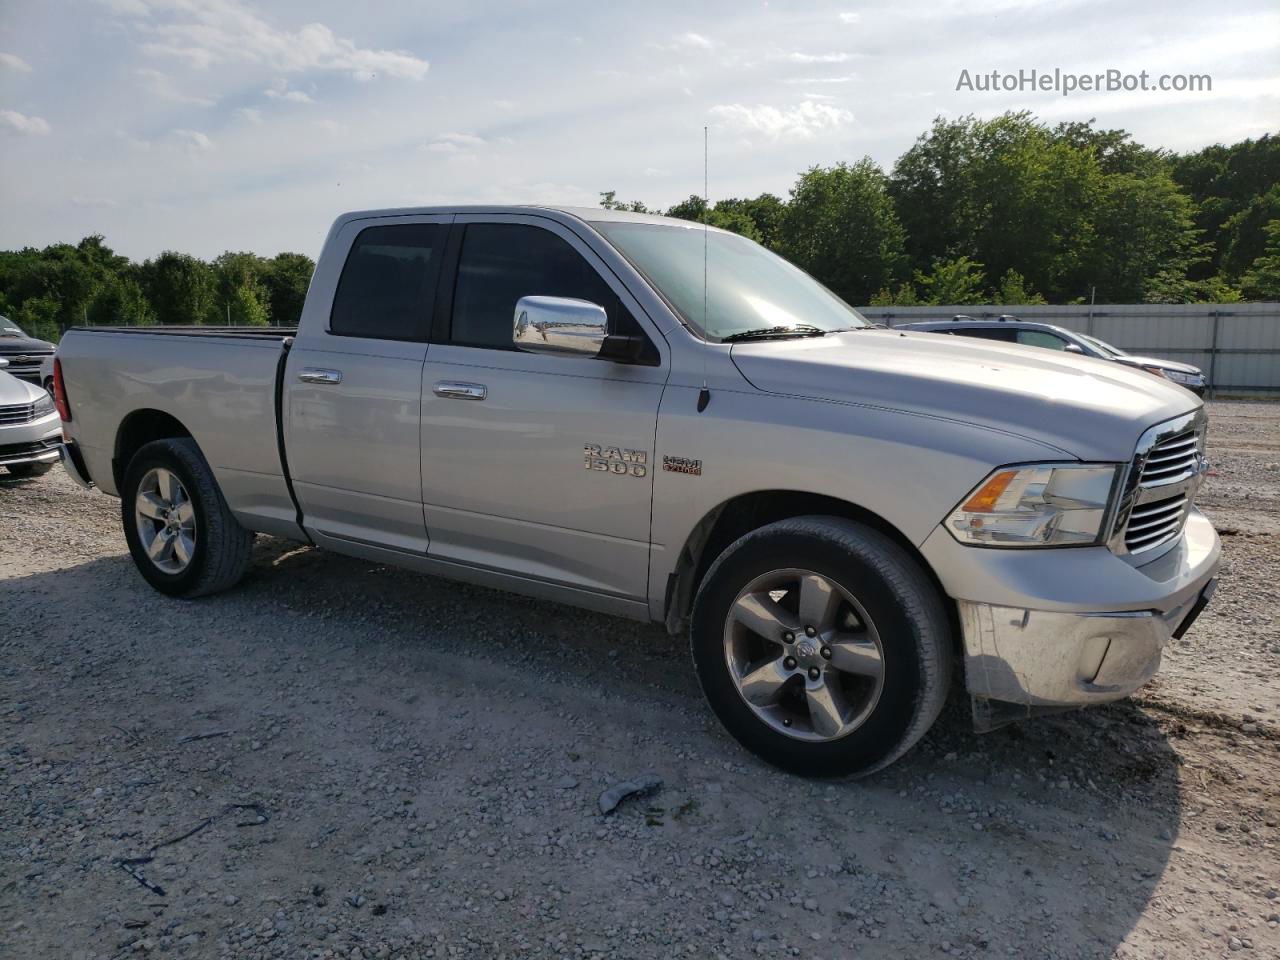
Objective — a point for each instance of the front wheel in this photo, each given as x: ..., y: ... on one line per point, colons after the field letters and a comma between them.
x: 822, y: 646
x: 182, y: 535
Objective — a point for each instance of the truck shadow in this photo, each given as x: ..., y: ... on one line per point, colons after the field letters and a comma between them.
x: 1048, y: 837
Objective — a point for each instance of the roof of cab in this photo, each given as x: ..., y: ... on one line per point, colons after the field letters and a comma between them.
x: 586, y: 214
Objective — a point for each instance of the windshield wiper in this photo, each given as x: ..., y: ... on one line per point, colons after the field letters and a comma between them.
x: 773, y: 333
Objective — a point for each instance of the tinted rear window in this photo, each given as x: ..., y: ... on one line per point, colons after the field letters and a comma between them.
x: 388, y: 284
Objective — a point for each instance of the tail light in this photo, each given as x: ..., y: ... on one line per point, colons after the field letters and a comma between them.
x: 60, y: 393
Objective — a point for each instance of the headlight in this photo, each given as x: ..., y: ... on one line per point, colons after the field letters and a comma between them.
x: 1185, y: 378
x: 44, y: 406
x: 1041, y: 505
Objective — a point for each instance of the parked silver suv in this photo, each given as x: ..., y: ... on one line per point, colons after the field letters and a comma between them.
x: 1009, y: 329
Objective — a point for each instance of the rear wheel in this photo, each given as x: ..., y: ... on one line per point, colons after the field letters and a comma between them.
x: 181, y: 534
x: 822, y: 646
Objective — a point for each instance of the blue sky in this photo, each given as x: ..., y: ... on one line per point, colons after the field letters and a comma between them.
x: 207, y: 125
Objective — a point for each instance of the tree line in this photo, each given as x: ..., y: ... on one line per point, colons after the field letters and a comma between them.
x: 46, y: 291
x: 1013, y: 211
x: 1008, y: 210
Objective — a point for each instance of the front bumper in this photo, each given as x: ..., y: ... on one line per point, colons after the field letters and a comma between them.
x: 1066, y: 628
x: 34, y: 442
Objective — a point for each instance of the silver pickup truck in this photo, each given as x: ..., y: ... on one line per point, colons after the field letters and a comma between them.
x: 650, y: 418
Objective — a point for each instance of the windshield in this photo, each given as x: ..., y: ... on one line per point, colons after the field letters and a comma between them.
x: 1102, y: 345
x: 10, y: 329
x: 747, y: 287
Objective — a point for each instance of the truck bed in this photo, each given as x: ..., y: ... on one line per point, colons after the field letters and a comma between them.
x: 219, y: 383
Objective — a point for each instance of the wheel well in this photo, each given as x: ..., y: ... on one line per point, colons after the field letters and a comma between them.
x: 737, y: 517
x: 138, y: 429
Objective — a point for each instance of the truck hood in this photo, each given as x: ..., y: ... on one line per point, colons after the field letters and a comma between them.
x: 1090, y: 409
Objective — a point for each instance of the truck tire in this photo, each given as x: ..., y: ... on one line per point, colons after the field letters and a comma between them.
x: 29, y: 469
x: 822, y: 646
x: 183, y: 537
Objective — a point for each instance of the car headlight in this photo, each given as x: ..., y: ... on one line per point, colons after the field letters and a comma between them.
x: 1039, y: 505
x: 1177, y: 376
x: 44, y: 406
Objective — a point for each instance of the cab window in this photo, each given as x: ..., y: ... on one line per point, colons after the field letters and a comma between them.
x: 501, y: 262
x: 388, y: 284
x: 1038, y: 338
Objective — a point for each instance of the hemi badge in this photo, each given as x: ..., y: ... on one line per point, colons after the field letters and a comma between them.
x: 682, y: 465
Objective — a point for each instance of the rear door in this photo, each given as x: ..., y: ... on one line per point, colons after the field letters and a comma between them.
x: 352, y: 387
x: 534, y: 465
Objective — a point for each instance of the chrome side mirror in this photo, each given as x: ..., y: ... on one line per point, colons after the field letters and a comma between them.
x: 560, y: 325
x: 1074, y: 348
x: 3, y: 363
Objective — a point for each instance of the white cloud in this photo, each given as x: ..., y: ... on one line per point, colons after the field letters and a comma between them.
x: 162, y: 86
x: 798, y: 57
x: 213, y: 32
x: 803, y: 121
x: 454, y: 143
x: 250, y: 114
x: 21, y: 123
x: 14, y: 62
x: 194, y: 139
x: 807, y: 81
x: 128, y: 8
x: 280, y: 91
x: 695, y: 40
x: 850, y: 17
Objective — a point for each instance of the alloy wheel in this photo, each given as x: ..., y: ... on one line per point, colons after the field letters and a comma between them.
x: 804, y: 655
x: 166, y: 520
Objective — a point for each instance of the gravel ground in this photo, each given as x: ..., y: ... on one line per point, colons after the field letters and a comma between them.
x: 340, y: 759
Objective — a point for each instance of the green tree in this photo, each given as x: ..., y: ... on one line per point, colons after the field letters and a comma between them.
x: 1226, y: 184
x: 609, y: 200
x: 840, y: 226
x: 1013, y: 289
x: 953, y: 281
x: 904, y: 296
x: 1008, y: 192
x: 1143, y: 227
x: 38, y: 316
x: 287, y: 278
x: 1262, y: 280
x: 181, y: 289
x: 691, y: 208
x: 242, y: 295
x: 121, y: 301
x: 765, y: 212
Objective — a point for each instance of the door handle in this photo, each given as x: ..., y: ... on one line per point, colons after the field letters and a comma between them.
x: 317, y: 375
x: 457, y: 390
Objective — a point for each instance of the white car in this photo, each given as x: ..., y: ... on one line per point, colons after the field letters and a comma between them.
x: 30, y: 431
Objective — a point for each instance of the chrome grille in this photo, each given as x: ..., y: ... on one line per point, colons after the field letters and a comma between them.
x: 1160, y: 488
x: 1171, y: 460
x: 17, y: 413
x: 1151, y: 524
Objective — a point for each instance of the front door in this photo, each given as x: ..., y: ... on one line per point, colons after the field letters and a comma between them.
x: 539, y: 466
x: 353, y: 386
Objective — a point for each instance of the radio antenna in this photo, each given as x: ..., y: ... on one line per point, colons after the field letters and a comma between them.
x: 704, y: 395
